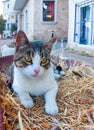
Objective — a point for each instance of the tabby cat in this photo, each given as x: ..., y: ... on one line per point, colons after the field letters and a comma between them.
x: 33, y: 75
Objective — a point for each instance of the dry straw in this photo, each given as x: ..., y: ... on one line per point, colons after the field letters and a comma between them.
x: 75, y: 101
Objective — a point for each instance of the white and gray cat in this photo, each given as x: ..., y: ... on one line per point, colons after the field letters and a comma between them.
x: 32, y: 73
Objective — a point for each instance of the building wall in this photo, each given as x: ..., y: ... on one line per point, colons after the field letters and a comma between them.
x: 29, y: 20
x: 9, y: 15
x: 71, y: 19
x: 44, y: 30
x: 39, y: 30
x: 6, y: 9
x: 71, y: 44
x: 71, y: 23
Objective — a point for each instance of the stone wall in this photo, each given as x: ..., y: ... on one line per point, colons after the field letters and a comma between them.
x: 60, y: 27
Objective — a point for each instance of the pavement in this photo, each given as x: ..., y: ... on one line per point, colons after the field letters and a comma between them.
x: 83, y: 58
x: 71, y: 54
x: 66, y: 52
x: 6, y: 41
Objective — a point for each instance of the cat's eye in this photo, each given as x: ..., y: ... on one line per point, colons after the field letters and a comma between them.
x: 28, y: 58
x: 43, y: 60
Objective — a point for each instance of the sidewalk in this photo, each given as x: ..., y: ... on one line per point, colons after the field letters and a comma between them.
x: 6, y: 41
x: 84, y: 58
x: 71, y: 54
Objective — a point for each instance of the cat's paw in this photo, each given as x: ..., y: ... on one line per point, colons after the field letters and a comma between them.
x: 51, y: 109
x: 27, y: 103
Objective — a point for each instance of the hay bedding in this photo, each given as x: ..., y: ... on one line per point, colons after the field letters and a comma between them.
x: 75, y: 100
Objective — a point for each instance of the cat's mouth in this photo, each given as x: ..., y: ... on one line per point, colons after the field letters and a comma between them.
x: 35, y: 75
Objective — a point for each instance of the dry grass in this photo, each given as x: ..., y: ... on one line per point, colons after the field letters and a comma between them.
x: 75, y: 101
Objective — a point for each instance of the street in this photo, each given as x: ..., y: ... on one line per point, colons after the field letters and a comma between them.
x: 6, y: 41
x: 86, y: 59
x: 71, y: 54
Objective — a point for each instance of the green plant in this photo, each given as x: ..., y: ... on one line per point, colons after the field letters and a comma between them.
x: 13, y: 27
x: 2, y: 25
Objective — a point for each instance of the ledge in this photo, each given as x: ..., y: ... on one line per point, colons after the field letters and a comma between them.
x: 19, y: 5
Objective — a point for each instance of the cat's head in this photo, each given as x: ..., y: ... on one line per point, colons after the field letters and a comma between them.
x: 32, y: 59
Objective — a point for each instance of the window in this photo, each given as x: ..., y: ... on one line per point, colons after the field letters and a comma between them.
x: 84, y: 23
x: 48, y: 14
x: 85, y: 26
x: 26, y: 21
x: 7, y: 26
x: 8, y: 6
x: 22, y: 21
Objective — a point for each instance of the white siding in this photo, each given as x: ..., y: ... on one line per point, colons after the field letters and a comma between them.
x: 71, y: 22
x: 30, y: 9
x: 75, y: 45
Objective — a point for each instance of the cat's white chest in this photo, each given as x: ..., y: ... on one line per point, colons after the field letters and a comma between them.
x: 35, y: 86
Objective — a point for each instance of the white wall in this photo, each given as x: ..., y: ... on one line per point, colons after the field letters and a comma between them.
x: 71, y: 44
x: 71, y: 22
x: 30, y: 9
x: 0, y: 7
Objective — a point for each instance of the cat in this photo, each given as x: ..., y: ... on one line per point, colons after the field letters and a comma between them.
x: 57, y: 71
x: 33, y: 74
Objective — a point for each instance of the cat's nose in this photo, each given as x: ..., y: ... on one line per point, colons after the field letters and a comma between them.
x: 36, y: 71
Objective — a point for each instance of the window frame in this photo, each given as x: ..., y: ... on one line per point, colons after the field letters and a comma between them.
x: 77, y: 21
x: 55, y: 13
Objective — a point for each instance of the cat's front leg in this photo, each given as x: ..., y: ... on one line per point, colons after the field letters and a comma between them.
x: 25, y: 99
x: 50, y: 99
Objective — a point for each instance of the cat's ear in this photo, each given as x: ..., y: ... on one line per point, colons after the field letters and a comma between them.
x: 21, y: 38
x: 50, y: 43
